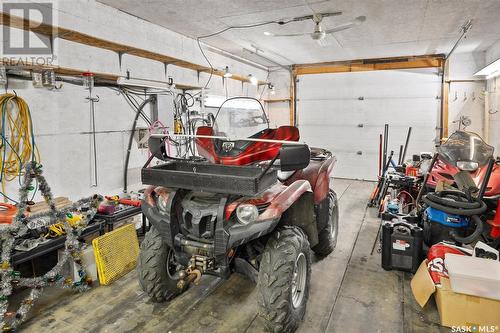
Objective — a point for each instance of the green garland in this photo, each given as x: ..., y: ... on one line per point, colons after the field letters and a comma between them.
x: 10, y: 279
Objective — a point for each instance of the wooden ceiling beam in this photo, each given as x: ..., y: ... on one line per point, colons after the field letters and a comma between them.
x: 361, y: 65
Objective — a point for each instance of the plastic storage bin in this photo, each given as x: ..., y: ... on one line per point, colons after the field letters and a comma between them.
x: 474, y: 276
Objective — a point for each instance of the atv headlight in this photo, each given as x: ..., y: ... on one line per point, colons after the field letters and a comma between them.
x: 467, y: 165
x: 246, y: 213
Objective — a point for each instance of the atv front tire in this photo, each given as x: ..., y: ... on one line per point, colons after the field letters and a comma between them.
x: 327, y: 238
x: 156, y: 268
x: 283, y: 282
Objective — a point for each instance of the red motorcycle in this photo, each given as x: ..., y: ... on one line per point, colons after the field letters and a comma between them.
x: 255, y: 202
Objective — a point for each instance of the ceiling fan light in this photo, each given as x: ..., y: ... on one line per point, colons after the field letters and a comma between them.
x: 318, y: 35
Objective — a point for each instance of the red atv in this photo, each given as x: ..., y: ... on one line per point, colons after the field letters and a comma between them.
x: 255, y: 203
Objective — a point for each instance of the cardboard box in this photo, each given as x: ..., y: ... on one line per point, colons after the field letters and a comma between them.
x: 454, y: 309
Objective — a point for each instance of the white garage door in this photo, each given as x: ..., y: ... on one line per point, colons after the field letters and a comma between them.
x: 346, y: 113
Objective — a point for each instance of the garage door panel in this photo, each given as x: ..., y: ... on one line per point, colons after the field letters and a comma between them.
x: 349, y: 163
x: 398, y: 112
x: 365, y: 140
x: 389, y: 83
x: 330, y: 115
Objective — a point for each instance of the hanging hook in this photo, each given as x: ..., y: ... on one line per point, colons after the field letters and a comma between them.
x: 465, y: 96
x: 92, y: 99
x: 456, y: 95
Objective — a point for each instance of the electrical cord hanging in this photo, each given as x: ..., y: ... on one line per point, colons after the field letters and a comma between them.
x: 131, y: 138
x: 18, y: 145
x: 279, y: 22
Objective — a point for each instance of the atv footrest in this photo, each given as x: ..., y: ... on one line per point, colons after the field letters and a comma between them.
x: 206, y: 177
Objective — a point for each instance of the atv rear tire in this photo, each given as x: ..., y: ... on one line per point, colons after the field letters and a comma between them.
x: 153, y: 268
x: 283, y: 282
x: 327, y: 238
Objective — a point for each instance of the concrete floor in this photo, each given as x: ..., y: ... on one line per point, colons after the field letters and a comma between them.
x: 349, y: 293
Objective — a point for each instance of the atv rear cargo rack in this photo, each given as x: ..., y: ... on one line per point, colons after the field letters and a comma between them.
x: 207, y: 177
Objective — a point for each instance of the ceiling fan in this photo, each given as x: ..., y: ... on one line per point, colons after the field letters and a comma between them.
x: 319, y: 34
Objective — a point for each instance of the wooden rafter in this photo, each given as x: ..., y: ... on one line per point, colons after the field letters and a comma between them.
x: 81, y: 38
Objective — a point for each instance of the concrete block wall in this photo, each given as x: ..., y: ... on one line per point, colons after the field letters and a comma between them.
x: 466, y: 98
x: 62, y: 118
x: 279, y: 113
x: 492, y: 54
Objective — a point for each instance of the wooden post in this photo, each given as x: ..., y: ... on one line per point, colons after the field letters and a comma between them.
x: 293, y: 100
x: 445, y: 92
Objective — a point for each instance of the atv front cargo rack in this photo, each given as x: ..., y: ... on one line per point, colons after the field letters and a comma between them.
x: 207, y: 177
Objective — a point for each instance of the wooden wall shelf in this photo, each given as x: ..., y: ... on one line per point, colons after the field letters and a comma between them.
x: 121, y: 49
x: 283, y: 100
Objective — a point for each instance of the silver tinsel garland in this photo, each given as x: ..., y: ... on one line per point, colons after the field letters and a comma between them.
x: 9, y: 278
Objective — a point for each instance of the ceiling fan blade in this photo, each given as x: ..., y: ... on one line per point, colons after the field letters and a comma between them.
x: 357, y: 21
x: 330, y: 14
x: 318, y: 16
x: 286, y: 35
x: 323, y: 42
x: 329, y: 41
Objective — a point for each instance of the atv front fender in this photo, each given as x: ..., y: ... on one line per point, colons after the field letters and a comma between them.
x: 281, y: 202
x: 162, y: 221
x: 295, y: 206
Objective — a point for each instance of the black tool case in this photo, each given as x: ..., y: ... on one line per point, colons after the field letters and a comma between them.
x: 207, y: 177
x: 401, y: 246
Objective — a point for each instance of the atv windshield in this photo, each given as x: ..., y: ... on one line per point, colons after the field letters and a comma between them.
x: 240, y: 117
x: 466, y: 147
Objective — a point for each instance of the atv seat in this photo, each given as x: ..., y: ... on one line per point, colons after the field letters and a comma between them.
x: 242, y: 152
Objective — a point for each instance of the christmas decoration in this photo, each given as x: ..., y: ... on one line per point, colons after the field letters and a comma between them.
x: 73, y: 220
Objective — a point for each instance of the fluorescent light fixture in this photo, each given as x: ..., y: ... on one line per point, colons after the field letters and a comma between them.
x: 253, y: 80
x: 267, y: 33
x: 227, y: 73
x: 123, y: 81
x: 491, y: 70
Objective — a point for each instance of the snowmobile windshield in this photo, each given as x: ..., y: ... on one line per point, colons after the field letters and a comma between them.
x: 240, y: 117
x: 466, y: 149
